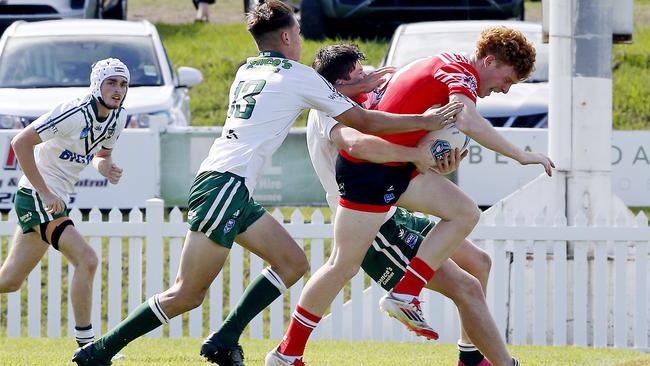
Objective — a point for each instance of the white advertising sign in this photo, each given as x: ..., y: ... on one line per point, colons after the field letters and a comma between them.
x: 488, y: 177
x: 136, y: 151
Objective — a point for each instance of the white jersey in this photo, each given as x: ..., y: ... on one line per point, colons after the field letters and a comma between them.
x: 72, y: 135
x: 268, y: 94
x: 323, y: 152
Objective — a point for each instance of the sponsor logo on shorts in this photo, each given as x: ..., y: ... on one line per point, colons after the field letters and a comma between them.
x: 26, y: 217
x: 385, y: 278
x: 229, y: 225
x: 191, y: 214
x: 410, y: 240
x: 389, y: 197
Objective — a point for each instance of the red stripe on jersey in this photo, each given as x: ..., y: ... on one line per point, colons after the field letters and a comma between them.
x: 425, y: 83
x: 363, y: 206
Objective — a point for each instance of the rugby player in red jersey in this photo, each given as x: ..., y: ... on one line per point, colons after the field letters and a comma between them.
x: 503, y: 57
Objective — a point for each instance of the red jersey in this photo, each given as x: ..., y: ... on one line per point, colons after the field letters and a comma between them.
x: 425, y: 83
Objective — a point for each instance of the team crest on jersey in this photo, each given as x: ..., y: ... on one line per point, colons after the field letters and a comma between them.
x: 110, y: 132
x: 469, y: 81
x: 229, y: 225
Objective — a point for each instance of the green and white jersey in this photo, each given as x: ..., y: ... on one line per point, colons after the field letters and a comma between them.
x: 72, y: 135
x: 268, y: 94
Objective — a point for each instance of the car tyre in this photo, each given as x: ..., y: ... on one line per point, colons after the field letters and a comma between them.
x: 116, y: 12
x: 312, y: 19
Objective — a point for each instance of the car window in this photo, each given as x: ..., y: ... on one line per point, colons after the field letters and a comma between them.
x: 42, y: 62
x: 412, y: 46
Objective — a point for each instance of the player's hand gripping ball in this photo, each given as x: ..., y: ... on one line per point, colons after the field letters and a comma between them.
x: 446, y: 140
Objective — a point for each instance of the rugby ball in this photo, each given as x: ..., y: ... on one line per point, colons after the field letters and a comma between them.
x: 447, y: 139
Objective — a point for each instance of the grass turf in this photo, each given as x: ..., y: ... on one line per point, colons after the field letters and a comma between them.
x: 184, y: 351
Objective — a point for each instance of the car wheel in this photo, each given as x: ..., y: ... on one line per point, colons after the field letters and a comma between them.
x: 312, y: 19
x: 118, y: 11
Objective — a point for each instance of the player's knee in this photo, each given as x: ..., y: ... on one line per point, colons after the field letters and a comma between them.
x: 475, y: 290
x: 466, y: 212
x: 472, y: 214
x: 88, y: 262
x: 293, y: 268
x: 300, y: 268
x: 484, y: 265
x: 471, y: 290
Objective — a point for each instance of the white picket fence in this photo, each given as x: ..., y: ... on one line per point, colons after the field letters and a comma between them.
x: 542, y: 290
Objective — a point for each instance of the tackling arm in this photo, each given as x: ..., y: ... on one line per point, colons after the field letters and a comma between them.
x: 377, y: 150
x: 377, y: 122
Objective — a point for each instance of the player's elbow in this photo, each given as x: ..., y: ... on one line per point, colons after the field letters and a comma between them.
x: 19, y: 142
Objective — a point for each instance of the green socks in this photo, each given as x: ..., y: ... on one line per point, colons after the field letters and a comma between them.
x: 145, y: 318
x: 261, y: 292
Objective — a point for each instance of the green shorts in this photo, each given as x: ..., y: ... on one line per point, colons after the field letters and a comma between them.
x: 220, y: 207
x: 31, y: 210
x: 396, y: 244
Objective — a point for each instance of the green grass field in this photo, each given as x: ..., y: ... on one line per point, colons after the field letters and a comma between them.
x: 184, y: 351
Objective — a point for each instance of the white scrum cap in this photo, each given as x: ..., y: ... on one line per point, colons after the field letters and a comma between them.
x: 103, y: 69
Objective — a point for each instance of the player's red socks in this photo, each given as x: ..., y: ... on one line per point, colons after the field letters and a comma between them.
x: 416, y: 277
x: 300, y: 328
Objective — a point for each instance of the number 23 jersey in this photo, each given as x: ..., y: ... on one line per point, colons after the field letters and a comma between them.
x: 268, y: 94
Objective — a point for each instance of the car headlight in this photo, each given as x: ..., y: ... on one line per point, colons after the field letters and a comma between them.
x: 8, y: 121
x: 145, y: 120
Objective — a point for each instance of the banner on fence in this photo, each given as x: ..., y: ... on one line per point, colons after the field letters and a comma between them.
x: 136, y: 151
x: 487, y: 176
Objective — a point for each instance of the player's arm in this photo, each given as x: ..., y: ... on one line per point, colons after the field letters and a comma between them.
x: 23, y: 144
x: 377, y: 122
x: 471, y: 123
x: 377, y: 150
x: 103, y: 162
